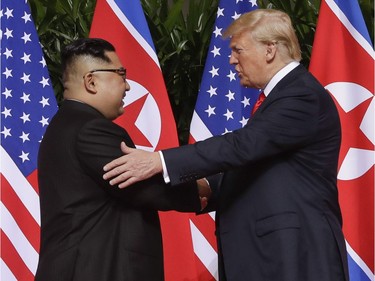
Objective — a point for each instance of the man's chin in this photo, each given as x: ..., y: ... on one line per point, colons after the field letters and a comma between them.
x: 121, y: 112
x: 244, y: 83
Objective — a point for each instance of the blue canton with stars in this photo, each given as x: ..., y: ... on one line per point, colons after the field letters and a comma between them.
x: 222, y: 103
x: 27, y: 98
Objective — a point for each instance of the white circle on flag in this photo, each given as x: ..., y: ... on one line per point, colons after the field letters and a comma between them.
x: 349, y: 95
x: 357, y: 161
x: 149, y: 119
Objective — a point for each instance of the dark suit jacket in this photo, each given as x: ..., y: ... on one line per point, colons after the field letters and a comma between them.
x: 278, y: 216
x: 89, y: 229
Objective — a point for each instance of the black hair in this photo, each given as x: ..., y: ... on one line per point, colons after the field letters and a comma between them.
x: 93, y: 47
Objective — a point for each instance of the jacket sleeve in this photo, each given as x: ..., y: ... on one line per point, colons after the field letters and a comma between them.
x: 98, y: 143
x: 281, y: 126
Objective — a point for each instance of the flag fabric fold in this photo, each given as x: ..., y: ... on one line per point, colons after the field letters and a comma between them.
x: 27, y: 106
x: 343, y: 61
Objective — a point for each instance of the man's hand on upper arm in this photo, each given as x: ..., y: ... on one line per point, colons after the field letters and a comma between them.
x: 136, y: 165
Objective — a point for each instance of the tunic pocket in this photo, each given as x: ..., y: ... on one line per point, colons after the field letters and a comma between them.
x: 276, y: 222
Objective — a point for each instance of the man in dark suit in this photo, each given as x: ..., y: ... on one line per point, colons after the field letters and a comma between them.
x: 89, y: 230
x: 278, y: 216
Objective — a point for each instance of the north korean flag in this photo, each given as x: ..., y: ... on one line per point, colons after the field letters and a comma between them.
x: 343, y: 61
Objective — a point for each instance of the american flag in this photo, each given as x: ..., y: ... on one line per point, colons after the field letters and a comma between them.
x: 27, y: 106
x: 222, y: 106
x: 347, y: 73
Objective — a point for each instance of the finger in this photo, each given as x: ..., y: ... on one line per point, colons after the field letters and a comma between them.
x: 114, y: 163
x: 127, y: 183
x: 121, y: 178
x: 117, y: 171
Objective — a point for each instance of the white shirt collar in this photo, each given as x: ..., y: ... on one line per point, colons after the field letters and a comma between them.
x: 279, y: 75
x: 75, y: 100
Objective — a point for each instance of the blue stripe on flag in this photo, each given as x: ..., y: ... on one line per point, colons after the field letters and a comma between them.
x: 352, y: 11
x: 355, y: 271
x: 134, y: 13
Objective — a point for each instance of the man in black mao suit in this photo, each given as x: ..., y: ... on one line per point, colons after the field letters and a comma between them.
x: 278, y: 216
x: 90, y: 230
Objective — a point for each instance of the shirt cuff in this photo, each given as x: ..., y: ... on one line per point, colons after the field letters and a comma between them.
x: 165, y: 172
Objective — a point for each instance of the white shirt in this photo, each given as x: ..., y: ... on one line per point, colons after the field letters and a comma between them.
x: 278, y: 76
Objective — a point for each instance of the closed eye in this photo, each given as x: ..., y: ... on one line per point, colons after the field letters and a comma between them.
x: 237, y: 50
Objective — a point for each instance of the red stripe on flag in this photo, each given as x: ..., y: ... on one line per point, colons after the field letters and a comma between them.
x: 179, y: 258
x: 33, y: 180
x: 24, y: 220
x: 13, y: 260
x: 206, y: 226
x: 359, y: 221
x: 191, y: 139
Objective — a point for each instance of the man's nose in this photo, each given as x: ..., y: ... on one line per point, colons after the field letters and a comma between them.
x: 127, y: 86
x: 233, y: 59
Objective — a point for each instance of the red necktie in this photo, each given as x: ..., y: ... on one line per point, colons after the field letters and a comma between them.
x: 260, y: 99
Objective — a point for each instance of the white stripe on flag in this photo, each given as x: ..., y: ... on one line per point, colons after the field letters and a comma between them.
x: 204, y: 251
x: 360, y: 262
x: 356, y: 35
x: 212, y: 215
x: 198, y: 129
x: 141, y: 41
x: 18, y: 239
x: 6, y: 273
x: 20, y: 185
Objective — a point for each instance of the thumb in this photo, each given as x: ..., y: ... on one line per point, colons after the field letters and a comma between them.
x: 126, y: 149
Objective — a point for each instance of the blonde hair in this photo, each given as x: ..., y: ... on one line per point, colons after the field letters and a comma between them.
x: 268, y: 26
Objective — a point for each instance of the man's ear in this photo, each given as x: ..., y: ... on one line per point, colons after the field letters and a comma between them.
x: 271, y: 48
x: 89, y: 81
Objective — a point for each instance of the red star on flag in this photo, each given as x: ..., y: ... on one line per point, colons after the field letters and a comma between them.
x: 128, y: 121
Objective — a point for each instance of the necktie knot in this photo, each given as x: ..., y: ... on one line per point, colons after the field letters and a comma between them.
x: 259, y: 101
